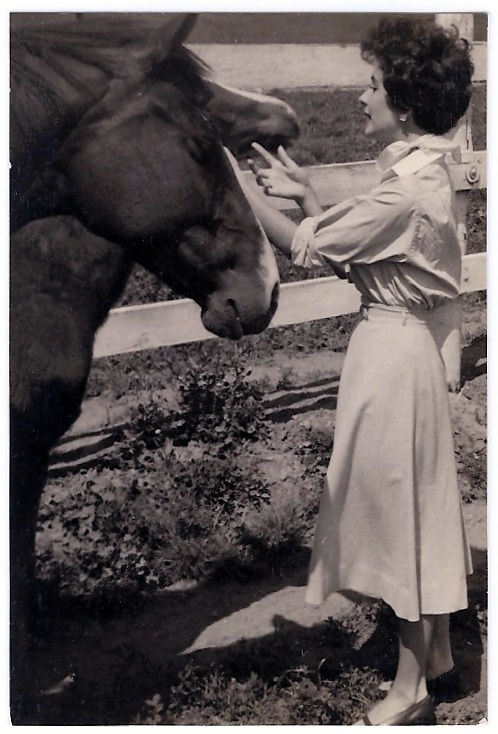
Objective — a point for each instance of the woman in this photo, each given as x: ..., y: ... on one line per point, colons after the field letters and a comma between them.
x: 390, y: 523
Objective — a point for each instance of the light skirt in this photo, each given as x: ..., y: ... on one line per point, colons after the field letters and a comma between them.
x: 390, y: 524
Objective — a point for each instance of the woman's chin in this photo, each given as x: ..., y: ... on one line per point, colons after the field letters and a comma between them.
x: 369, y: 127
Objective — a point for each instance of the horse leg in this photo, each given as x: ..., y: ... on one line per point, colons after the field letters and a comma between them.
x: 28, y: 473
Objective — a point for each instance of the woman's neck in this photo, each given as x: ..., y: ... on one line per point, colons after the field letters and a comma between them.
x: 410, y: 132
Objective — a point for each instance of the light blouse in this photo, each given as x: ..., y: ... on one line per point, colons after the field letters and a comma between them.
x: 398, y: 243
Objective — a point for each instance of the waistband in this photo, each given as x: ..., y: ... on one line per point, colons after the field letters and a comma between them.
x: 379, y: 311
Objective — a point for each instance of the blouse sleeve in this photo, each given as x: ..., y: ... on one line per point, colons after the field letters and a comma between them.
x: 362, y: 229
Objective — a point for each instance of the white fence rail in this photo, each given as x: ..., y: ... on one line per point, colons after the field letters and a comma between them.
x: 134, y: 328
x: 263, y: 67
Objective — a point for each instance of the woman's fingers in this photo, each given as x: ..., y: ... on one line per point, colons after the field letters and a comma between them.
x: 279, y: 178
x: 285, y: 157
x: 264, y: 153
x: 252, y: 166
x: 258, y: 172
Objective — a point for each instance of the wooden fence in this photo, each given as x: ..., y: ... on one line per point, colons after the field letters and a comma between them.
x: 135, y: 328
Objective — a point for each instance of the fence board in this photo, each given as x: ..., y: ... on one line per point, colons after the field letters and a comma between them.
x: 134, y: 328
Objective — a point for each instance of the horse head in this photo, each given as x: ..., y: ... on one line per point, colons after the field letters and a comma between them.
x: 144, y: 167
x: 242, y: 117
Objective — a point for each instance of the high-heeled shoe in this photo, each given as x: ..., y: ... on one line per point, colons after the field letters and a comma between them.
x: 417, y: 711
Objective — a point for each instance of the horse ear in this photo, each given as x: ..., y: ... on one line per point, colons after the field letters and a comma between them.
x: 166, y: 38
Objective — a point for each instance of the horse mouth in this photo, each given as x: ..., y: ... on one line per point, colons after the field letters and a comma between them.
x: 238, y: 331
x: 226, y: 324
x: 229, y: 323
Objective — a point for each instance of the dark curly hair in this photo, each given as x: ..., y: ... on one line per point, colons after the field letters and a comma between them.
x: 426, y: 68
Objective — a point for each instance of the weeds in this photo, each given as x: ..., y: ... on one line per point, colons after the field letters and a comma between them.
x: 218, y: 406
x: 295, y: 676
x: 186, y: 501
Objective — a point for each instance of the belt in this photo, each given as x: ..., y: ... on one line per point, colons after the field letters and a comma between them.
x: 380, y: 311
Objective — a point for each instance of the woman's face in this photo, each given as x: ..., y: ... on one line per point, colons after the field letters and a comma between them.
x: 383, y: 121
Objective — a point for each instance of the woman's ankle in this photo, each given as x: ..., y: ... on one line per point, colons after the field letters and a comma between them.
x: 439, y: 661
x: 434, y: 672
x: 439, y: 657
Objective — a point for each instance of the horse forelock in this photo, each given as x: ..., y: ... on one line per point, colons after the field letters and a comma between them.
x: 186, y: 71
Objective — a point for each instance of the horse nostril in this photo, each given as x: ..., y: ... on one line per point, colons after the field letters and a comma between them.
x: 232, y: 303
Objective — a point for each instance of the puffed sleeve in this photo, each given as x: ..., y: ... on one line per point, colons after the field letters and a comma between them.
x: 362, y: 230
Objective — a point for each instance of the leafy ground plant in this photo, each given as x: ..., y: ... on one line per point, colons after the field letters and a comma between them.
x: 145, y: 527
x: 217, y: 406
x: 181, y: 498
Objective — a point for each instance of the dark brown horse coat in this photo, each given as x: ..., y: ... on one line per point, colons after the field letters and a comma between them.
x: 115, y: 158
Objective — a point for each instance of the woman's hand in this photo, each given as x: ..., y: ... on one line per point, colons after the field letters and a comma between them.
x: 283, y: 178
x: 286, y: 179
x: 279, y: 228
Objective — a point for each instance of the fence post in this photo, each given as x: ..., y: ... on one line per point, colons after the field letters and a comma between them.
x: 446, y: 321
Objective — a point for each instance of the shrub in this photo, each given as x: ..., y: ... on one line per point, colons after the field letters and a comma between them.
x: 217, y: 406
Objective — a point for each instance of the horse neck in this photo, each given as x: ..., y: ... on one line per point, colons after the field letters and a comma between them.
x: 61, y: 259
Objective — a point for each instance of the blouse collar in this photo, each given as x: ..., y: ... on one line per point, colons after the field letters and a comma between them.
x: 397, y: 152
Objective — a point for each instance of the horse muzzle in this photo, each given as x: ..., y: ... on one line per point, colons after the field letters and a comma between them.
x: 231, y: 315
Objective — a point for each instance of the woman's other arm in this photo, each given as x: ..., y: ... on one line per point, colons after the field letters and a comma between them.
x: 283, y: 179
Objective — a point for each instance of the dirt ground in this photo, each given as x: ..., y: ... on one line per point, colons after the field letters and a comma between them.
x: 201, y: 622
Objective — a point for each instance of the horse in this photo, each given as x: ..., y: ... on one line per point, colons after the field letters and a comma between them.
x: 115, y: 159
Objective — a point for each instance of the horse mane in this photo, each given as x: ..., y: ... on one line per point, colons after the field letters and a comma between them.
x: 61, y: 67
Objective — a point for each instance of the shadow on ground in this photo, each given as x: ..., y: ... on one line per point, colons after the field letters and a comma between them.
x: 123, y: 654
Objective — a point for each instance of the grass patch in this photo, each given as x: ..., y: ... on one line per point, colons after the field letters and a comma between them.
x: 193, y: 492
